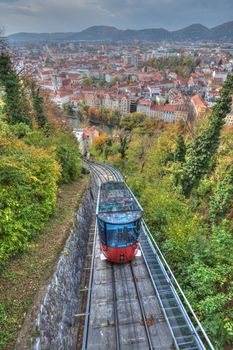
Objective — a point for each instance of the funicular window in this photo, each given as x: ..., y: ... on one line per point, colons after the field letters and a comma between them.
x: 102, y: 232
x: 119, y: 236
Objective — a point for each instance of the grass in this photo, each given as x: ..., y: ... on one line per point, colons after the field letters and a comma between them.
x: 24, y: 277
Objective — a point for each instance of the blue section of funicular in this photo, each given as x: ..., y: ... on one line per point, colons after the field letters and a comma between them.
x: 119, y: 236
x: 119, y: 216
x: 117, y: 204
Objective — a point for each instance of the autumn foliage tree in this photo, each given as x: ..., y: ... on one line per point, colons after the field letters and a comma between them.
x: 100, y: 141
x: 37, y: 155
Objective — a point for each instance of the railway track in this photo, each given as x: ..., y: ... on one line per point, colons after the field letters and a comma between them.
x: 142, y: 309
x: 137, y: 305
x: 116, y: 321
x: 145, y: 321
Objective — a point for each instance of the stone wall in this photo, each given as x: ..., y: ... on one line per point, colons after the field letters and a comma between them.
x: 55, y: 326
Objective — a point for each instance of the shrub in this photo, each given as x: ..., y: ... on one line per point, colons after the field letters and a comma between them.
x: 28, y: 185
x: 68, y: 156
x: 65, y: 149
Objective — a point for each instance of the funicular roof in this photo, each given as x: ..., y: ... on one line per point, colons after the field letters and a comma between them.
x: 117, y: 204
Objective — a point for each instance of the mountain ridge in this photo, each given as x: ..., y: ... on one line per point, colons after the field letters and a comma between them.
x: 193, y: 32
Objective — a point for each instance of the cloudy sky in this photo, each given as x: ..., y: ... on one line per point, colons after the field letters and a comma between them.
x: 75, y: 15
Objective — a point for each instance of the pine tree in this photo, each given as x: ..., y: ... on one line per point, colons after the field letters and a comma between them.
x: 222, y: 200
x: 180, y: 152
x: 201, y: 152
x: 37, y: 101
x: 123, y: 146
x: 16, y: 105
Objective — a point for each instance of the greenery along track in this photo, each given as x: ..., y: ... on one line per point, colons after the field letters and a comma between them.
x: 38, y: 155
x: 182, y: 176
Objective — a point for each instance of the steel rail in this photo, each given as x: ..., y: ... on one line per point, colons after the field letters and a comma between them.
x: 142, y: 309
x: 93, y: 167
x: 88, y: 305
x: 112, y: 169
x: 96, y: 180
x: 118, y: 174
x: 106, y: 166
x: 115, y: 309
x: 96, y: 174
x: 102, y: 171
x: 115, y: 172
x: 111, y: 175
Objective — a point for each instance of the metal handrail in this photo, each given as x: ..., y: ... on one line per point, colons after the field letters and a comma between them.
x: 175, y: 283
x: 160, y: 301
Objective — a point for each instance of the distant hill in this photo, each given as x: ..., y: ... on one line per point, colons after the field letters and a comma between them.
x: 194, y: 32
x: 32, y: 37
x: 223, y: 32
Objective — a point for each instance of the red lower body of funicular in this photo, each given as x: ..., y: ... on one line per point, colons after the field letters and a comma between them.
x: 119, y: 255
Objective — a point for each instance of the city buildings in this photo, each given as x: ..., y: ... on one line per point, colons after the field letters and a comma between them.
x: 117, y: 76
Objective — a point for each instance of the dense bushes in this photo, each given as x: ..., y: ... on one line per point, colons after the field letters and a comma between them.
x: 195, y: 233
x: 35, y: 157
x: 30, y: 170
x: 29, y: 177
x: 65, y: 149
x: 68, y: 156
x: 28, y: 185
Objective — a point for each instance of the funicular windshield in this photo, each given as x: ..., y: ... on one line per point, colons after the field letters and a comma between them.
x: 119, y: 236
x: 119, y: 215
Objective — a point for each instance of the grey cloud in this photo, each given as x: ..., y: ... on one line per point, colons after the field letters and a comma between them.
x: 6, y: 2
x: 74, y: 15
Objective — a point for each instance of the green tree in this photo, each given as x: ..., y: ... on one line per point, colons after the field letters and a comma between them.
x: 208, y: 283
x: 68, y: 156
x: 16, y: 105
x: 123, y: 145
x: 133, y: 120
x: 180, y: 152
x: 221, y: 203
x: 201, y: 152
x: 68, y: 108
x: 37, y: 101
x: 87, y: 81
x: 183, y: 66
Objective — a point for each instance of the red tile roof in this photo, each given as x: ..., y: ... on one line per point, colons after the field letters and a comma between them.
x: 198, y: 101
